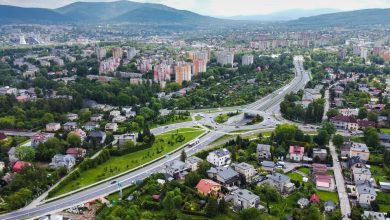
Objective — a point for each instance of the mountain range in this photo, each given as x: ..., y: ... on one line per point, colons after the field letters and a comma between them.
x: 135, y: 12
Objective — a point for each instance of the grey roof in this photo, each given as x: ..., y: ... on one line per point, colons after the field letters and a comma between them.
x: 221, y: 152
x: 303, y: 202
x: 365, y: 188
x: 374, y: 215
x: 225, y: 173
x: 177, y: 165
x: 70, y: 123
x: 330, y: 204
x: 244, y: 166
x: 263, y: 147
x: 245, y: 194
x: 359, y: 147
x: 193, y: 159
x: 354, y: 160
x: 277, y: 177
x: 361, y: 170
x: 267, y: 163
x: 383, y: 136
x: 97, y: 134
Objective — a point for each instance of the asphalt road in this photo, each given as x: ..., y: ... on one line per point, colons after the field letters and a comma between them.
x: 267, y: 106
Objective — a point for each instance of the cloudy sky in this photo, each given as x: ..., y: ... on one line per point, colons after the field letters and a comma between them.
x: 229, y: 7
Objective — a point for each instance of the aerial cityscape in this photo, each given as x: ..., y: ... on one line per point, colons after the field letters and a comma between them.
x: 173, y: 109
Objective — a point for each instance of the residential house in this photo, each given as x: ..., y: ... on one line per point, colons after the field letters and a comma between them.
x: 384, y: 140
x: 115, y: 113
x: 99, y: 136
x: 70, y: 126
x: 361, y: 174
x: 80, y: 133
x: 53, y: 127
x: 123, y: 138
x: 263, y: 151
x: 60, y: 160
x: 246, y: 171
x: 268, y: 165
x: 224, y: 175
x: 320, y: 153
x: 349, y: 112
x: 119, y: 119
x: 127, y: 110
x: 319, y: 169
x: 330, y: 206
x: 111, y: 127
x: 281, y: 182
x: 323, y: 181
x: 365, y: 193
x: 96, y: 117
x: 19, y: 165
x: 3, y: 136
x: 91, y: 126
x: 11, y: 155
x: 193, y: 162
x: 356, y: 161
x: 244, y: 199
x: 76, y: 152
x: 359, y: 149
x: 365, y: 123
x: 208, y: 187
x: 345, y: 122
x: 177, y: 169
x: 296, y: 153
x: 374, y: 215
x: 303, y: 203
x: 40, y: 138
x: 72, y: 117
x: 219, y: 157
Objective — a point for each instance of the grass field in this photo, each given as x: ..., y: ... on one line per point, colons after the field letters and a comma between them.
x: 129, y: 161
x: 198, y: 117
x: 385, y: 130
x: 326, y: 196
x: 222, y: 118
x: 304, y: 170
x: 379, y: 174
x: 175, y: 120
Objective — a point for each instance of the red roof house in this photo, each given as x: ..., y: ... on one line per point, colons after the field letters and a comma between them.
x: 296, y: 153
x: 319, y: 169
x: 3, y: 136
x: 76, y: 152
x: 208, y: 187
x: 323, y: 181
x: 314, y: 198
x: 18, y: 166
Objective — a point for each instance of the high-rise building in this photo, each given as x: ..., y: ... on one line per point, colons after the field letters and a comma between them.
x: 182, y: 72
x: 22, y: 40
x: 162, y: 73
x: 117, y: 52
x: 100, y: 53
x: 198, y: 66
x: 247, y: 60
x: 364, y: 52
x: 225, y: 58
x: 131, y: 53
x: 109, y: 65
x: 199, y: 55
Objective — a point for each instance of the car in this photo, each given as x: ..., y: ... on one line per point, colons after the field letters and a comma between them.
x: 166, y: 126
x: 114, y: 182
x: 237, y: 126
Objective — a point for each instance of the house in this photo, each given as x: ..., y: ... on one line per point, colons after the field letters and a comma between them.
x: 76, y: 152
x: 281, y: 182
x: 374, y: 215
x: 349, y: 112
x: 315, y: 198
x: 111, y: 127
x: 330, y: 206
x: 52, y: 127
x: 40, y: 138
x: 100, y: 136
x: 19, y: 165
x: 70, y: 126
x: 11, y: 155
x: 319, y: 169
x: 323, y: 181
x: 3, y: 136
x: 91, y: 126
x: 384, y: 186
x: 208, y: 187
x: 193, y: 162
x: 296, y: 153
x: 80, y: 133
x: 365, y: 194
x: 303, y: 203
x: 72, y: 117
x: 115, y: 113
x: 127, y: 110
x: 60, y: 160
x: 224, y: 175
x: 384, y: 140
x: 361, y: 174
x: 263, y: 151
x: 365, y: 123
x: 320, y: 153
x: 246, y: 171
x: 356, y: 161
x: 119, y: 119
x: 345, y: 150
x: 96, y: 117
x: 360, y: 150
x: 244, y: 199
x: 268, y: 165
x: 219, y: 157
x: 123, y: 138
x: 177, y: 169
x: 345, y: 122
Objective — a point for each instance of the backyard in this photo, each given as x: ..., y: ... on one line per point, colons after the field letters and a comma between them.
x: 120, y: 164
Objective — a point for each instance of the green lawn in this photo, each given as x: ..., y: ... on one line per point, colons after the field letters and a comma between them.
x: 295, y: 176
x: 304, y: 170
x: 222, y: 118
x: 198, y: 117
x: 326, y: 196
x: 383, y: 200
x: 239, y: 131
x: 224, y: 137
x: 385, y: 130
x: 126, y: 162
x: 379, y: 174
x: 175, y: 120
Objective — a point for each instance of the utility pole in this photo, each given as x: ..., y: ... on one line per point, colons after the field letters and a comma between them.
x: 120, y: 190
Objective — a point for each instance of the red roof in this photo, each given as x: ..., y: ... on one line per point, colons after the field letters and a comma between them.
x: 341, y: 118
x: 366, y: 123
x: 2, y: 136
x: 156, y: 197
x: 296, y: 150
x: 18, y: 166
x: 323, y: 178
x: 205, y: 185
x: 314, y: 198
x: 319, y: 168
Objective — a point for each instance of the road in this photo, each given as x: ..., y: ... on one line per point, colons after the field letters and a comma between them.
x: 343, y: 196
x: 267, y: 106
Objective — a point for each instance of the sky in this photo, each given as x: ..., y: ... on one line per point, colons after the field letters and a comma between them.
x: 229, y: 7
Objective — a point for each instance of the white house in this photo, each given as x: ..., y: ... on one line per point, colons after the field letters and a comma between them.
x: 60, y: 160
x: 365, y: 193
x: 244, y: 199
x: 245, y: 170
x: 219, y: 157
x: 361, y: 174
x: 112, y: 127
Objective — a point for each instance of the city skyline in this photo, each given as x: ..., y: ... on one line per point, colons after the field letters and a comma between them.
x: 229, y: 7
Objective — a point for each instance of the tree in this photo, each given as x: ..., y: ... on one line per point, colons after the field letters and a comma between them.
x: 168, y: 204
x: 183, y: 155
x: 268, y: 194
x: 322, y: 138
x: 73, y: 139
x: 371, y: 137
x: 332, y: 113
x: 356, y: 213
x: 386, y: 158
x: 328, y: 127
x: 362, y: 113
x: 25, y: 153
x: 211, y: 208
x: 192, y: 179
x: 336, y: 215
x: 223, y: 206
x: 338, y: 140
x: 250, y: 214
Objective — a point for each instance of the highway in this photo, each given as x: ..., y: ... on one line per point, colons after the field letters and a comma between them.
x: 267, y: 106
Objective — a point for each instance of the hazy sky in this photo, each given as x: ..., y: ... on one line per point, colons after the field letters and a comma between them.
x: 229, y: 7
